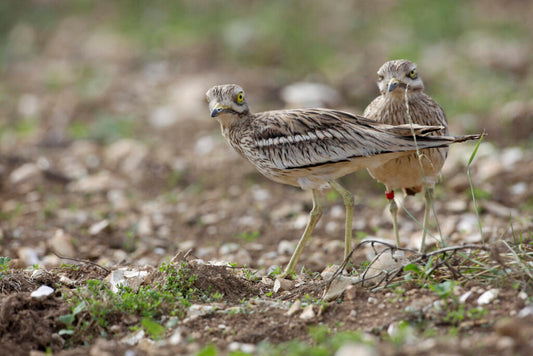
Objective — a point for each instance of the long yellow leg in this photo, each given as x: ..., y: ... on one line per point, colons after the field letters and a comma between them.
x: 314, y: 216
x: 394, y: 212
x: 349, y: 204
x: 427, y: 203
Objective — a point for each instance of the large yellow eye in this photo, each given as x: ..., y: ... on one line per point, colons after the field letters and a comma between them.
x: 412, y: 74
x: 240, y: 98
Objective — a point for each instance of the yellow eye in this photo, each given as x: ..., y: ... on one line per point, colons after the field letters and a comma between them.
x: 240, y: 98
x: 412, y: 74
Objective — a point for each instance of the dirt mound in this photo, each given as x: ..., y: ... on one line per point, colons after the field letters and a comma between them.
x: 28, y: 323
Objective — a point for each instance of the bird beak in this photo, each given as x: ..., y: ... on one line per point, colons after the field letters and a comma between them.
x: 218, y: 109
x: 393, y: 83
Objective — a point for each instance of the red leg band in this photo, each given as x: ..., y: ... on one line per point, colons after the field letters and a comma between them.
x: 390, y: 195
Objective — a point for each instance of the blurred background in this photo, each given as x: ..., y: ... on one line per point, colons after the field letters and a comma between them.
x: 106, y: 144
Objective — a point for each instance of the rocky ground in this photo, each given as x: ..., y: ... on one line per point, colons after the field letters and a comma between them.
x: 112, y: 172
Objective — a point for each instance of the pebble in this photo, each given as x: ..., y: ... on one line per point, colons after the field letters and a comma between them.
x: 526, y: 312
x: 286, y: 247
x: 163, y: 117
x: 99, y: 182
x: 126, y: 154
x: 177, y: 337
x: 294, y: 308
x: 42, y: 291
x: 338, y: 286
x: 282, y: 284
x: 98, y: 227
x: 28, y: 255
x: 61, y: 243
x: 463, y: 298
x: 228, y: 248
x: 488, y: 296
x: 197, y: 310
x: 133, y: 339
x: 28, y: 172
x: 239, y: 346
x: 308, y: 313
x: 352, y: 349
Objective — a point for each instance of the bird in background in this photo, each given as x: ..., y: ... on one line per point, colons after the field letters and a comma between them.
x: 403, y: 101
x: 311, y: 148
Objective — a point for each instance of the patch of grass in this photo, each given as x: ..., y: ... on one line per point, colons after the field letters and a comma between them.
x: 96, y: 306
x: 105, y: 128
x: 324, y: 341
x: 249, y: 236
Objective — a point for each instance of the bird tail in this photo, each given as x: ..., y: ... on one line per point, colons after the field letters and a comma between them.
x: 439, y: 141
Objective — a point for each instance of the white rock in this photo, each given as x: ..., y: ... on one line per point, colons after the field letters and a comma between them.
x: 353, y: 349
x: 61, y: 243
x: 488, y: 296
x: 205, y: 145
x: 200, y: 310
x: 372, y: 300
x: 239, y: 346
x: 338, y: 286
x: 300, y: 222
x: 101, y: 181
x: 228, y: 248
x: 518, y: 188
x: 28, y: 255
x: 116, y: 279
x: 467, y: 223
x: 294, y: 308
x: 286, y: 247
x: 145, y: 228
x: 176, y: 338
x: 282, y: 284
x: 163, y: 117
x: 126, y: 154
x: 133, y: 339
x: 526, y: 312
x: 463, y: 298
x: 25, y: 173
x: 308, y: 313
x: 67, y: 281
x: 42, y: 291
x: 98, y: 227
x: 260, y: 194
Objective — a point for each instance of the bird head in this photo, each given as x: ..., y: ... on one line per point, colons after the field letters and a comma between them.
x: 396, y: 76
x: 227, y: 101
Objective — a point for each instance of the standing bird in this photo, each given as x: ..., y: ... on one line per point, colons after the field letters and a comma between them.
x: 310, y: 148
x: 402, y: 101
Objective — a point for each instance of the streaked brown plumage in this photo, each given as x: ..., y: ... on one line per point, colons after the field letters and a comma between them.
x: 310, y: 148
x: 391, y: 108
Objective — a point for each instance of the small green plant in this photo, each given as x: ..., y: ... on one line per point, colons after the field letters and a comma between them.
x: 68, y: 319
x: 4, y: 265
x: 152, y: 328
x: 249, y: 236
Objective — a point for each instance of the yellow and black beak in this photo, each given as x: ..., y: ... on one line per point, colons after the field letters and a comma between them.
x: 393, y: 84
x: 218, y: 109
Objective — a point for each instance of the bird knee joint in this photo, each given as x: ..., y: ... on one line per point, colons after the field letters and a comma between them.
x: 316, y: 211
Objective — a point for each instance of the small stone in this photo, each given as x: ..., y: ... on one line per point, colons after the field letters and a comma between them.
x: 99, y: 182
x: 133, y: 339
x: 282, y: 284
x: 67, y: 281
x: 353, y: 349
x: 286, y: 247
x: 28, y: 255
x: 98, y: 227
x: 308, y: 313
x: 42, y: 291
x: 329, y: 271
x: 463, y: 298
x: 372, y: 300
x: 200, y: 310
x: 116, y: 279
x: 488, y: 296
x: 127, y: 155
x: 28, y: 172
x: 228, y: 248
x: 526, y: 312
x: 338, y: 286
x: 61, y: 243
x: 239, y: 346
x: 176, y: 338
x: 294, y: 308
x: 267, y: 281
